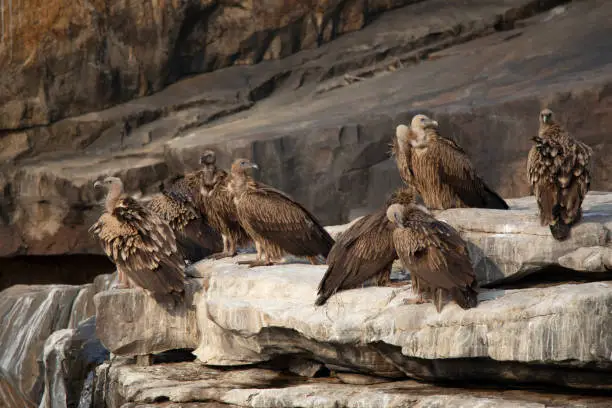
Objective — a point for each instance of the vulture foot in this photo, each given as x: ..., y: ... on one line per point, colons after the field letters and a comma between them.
x: 395, y: 284
x: 414, y: 301
x: 253, y: 264
x: 221, y: 255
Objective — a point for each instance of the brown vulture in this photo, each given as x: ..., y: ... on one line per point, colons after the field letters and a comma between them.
x: 276, y: 223
x: 141, y: 244
x: 219, y: 207
x: 559, y: 170
x: 179, y: 205
x: 363, y: 252
x: 439, y: 169
x: 435, y: 254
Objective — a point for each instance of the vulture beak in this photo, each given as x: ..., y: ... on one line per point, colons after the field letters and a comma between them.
x: 435, y: 123
x: 253, y: 165
x: 201, y: 161
x: 97, y: 185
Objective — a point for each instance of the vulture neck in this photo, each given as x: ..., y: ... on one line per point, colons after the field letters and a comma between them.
x: 114, y: 192
x: 239, y: 182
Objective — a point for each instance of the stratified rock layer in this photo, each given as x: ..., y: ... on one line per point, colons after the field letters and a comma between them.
x: 318, y: 122
x: 188, y: 384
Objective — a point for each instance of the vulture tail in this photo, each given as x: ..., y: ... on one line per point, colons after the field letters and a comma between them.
x: 322, y: 299
x: 199, y: 240
x: 559, y: 229
x: 494, y: 201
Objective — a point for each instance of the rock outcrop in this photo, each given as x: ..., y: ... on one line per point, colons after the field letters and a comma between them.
x: 29, y: 315
x: 318, y: 121
x: 194, y: 386
x: 555, y: 334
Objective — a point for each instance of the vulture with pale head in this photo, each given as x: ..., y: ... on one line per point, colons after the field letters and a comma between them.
x: 141, y: 244
x: 435, y: 254
x: 277, y: 223
x: 559, y: 170
x: 439, y: 169
x: 219, y: 207
x: 364, y: 252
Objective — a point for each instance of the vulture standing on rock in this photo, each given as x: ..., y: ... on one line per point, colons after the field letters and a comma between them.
x: 141, y: 244
x: 364, y: 251
x: 179, y: 205
x: 219, y: 206
x: 559, y: 170
x: 435, y: 254
x: 277, y: 223
x: 439, y: 169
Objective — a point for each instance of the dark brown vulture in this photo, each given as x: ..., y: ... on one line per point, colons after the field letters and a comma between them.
x: 141, y: 244
x: 363, y: 252
x: 559, y: 170
x: 179, y: 205
x: 219, y: 207
x: 276, y: 223
x: 435, y: 254
x: 439, y: 169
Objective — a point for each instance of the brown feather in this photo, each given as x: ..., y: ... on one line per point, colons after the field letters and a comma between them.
x: 273, y: 219
x: 436, y: 256
x: 559, y: 169
x: 441, y: 171
x: 363, y: 252
x: 142, y: 246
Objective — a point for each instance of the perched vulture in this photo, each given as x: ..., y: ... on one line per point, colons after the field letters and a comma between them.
x: 276, y: 223
x: 363, y: 252
x: 179, y: 205
x: 219, y: 207
x: 435, y: 254
x: 439, y: 168
x: 559, y: 169
x: 141, y: 244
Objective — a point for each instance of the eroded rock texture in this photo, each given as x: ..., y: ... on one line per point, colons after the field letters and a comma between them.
x: 318, y: 121
x: 28, y: 316
x: 191, y: 385
x: 547, y: 334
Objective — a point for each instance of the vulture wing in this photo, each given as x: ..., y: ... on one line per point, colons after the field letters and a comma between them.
x: 437, y: 257
x: 455, y: 170
x: 280, y: 219
x: 364, y: 251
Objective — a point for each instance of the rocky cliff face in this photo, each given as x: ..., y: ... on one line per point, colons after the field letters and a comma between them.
x: 317, y: 115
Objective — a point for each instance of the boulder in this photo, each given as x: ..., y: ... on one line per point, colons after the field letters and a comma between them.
x: 191, y: 385
x: 29, y: 316
x: 69, y: 356
x: 318, y: 121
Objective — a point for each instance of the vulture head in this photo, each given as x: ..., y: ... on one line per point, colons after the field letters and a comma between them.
x: 418, y: 125
x: 109, y: 183
x: 241, y: 166
x: 546, y: 117
x: 395, y: 214
x: 208, y: 157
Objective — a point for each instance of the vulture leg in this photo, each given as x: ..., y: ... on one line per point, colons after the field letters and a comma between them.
x: 395, y: 284
x: 229, y: 248
x: 415, y: 301
x: 122, y: 281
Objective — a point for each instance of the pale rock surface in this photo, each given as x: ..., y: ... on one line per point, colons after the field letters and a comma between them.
x: 188, y: 385
x: 29, y: 315
x: 69, y: 356
x: 246, y: 315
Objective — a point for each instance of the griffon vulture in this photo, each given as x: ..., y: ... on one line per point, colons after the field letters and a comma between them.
x: 434, y: 253
x: 219, y: 206
x: 363, y: 252
x: 179, y: 205
x: 141, y: 244
x: 559, y: 169
x: 276, y: 223
x: 439, y: 168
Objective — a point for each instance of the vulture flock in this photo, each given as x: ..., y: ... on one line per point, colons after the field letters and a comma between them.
x: 211, y: 213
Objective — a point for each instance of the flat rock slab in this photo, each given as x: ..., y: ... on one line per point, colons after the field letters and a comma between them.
x: 190, y: 384
x: 557, y: 335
